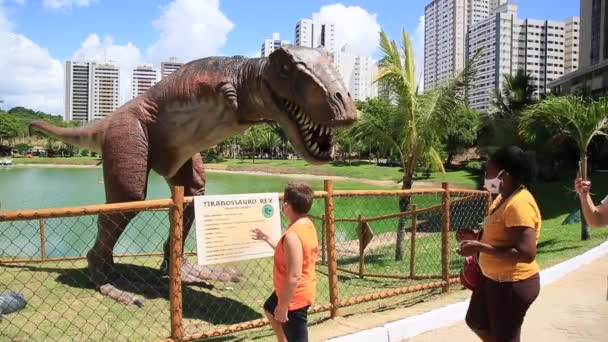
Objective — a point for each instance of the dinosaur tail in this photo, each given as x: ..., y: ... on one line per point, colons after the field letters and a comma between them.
x: 90, y: 137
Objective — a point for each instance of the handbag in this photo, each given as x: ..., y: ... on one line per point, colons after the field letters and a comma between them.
x: 470, y: 276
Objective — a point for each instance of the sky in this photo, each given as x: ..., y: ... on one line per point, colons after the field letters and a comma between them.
x: 38, y: 36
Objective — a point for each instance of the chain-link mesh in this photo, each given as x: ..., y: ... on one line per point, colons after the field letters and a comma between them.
x: 386, y: 245
x: 45, y: 260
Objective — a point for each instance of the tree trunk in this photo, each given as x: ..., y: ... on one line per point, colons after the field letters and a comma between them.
x: 404, y: 204
x: 585, y: 235
x: 448, y: 162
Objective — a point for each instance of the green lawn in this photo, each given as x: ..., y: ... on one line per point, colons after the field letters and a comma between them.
x: 356, y: 170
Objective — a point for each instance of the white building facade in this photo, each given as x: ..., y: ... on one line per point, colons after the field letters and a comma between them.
x: 509, y: 44
x: 106, y: 90
x: 144, y: 77
x: 358, y: 73
x: 169, y: 67
x: 446, y: 25
x: 78, y: 90
x: 269, y: 45
x: 92, y: 90
x: 315, y: 33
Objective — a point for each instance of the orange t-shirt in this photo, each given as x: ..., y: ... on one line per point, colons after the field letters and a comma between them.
x: 518, y: 211
x: 307, y: 284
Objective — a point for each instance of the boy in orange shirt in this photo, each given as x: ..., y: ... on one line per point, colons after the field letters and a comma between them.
x: 294, y: 275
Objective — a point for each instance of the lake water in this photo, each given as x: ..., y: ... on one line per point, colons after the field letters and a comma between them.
x: 40, y: 187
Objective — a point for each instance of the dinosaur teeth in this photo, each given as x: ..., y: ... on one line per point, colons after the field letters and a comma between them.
x: 315, y: 148
x: 308, y: 137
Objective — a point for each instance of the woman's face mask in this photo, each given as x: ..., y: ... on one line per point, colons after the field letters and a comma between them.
x: 493, y: 184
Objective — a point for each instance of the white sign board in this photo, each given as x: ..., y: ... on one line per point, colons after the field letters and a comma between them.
x: 224, y: 223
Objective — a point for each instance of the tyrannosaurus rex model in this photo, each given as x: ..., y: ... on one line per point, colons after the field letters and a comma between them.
x: 195, y: 108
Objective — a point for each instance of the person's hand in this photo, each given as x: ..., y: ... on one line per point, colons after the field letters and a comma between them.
x: 258, y: 234
x: 280, y: 313
x: 582, y: 187
x: 466, y: 234
x: 470, y: 247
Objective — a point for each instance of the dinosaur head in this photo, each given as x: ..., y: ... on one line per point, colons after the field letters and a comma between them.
x: 309, y: 100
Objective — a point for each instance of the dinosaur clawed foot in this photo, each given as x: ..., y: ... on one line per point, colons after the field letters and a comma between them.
x: 120, y: 296
x: 191, y: 271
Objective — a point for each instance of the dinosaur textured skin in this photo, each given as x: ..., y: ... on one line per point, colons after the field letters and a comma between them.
x: 200, y: 105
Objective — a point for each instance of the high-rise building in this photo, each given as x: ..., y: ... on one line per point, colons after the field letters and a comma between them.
x: 509, y: 44
x: 106, y: 90
x: 316, y: 33
x: 572, y: 45
x: 169, y: 67
x: 92, y: 90
x: 357, y: 72
x: 272, y: 44
x: 445, y: 32
x: 144, y: 77
x: 592, y: 73
x: 78, y: 91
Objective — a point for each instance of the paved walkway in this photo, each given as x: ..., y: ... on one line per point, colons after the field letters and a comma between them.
x: 573, y: 309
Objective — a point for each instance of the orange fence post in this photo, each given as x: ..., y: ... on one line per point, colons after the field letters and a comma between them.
x: 323, y: 235
x: 332, y: 263
x: 413, y: 243
x: 42, y: 241
x: 361, y: 248
x: 175, y: 262
x: 445, y: 238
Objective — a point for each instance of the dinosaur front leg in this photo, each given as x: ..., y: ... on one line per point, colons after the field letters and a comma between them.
x: 192, y: 177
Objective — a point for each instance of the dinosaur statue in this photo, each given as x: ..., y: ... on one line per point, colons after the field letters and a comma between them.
x: 201, y: 104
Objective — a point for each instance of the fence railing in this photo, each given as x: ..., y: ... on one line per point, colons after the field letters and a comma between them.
x: 371, y: 249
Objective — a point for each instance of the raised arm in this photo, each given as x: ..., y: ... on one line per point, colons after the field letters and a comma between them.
x: 596, y: 216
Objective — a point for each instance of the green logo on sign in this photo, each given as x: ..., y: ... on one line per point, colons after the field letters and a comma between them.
x: 267, y: 211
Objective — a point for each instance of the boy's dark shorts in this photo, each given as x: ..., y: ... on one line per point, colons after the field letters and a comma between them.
x: 296, y: 327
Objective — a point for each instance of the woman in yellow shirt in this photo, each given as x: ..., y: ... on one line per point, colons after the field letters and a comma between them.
x: 507, y: 250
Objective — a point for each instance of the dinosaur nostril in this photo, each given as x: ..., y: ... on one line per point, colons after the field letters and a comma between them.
x: 341, y: 99
x: 349, y: 94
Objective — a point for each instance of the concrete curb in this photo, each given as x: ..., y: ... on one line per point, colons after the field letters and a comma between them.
x: 454, y: 313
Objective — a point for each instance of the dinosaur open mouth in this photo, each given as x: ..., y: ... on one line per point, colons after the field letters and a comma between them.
x: 318, y: 139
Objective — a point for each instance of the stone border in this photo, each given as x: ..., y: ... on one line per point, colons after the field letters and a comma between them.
x: 454, y: 313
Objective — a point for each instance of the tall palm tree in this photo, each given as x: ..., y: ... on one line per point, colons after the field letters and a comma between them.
x: 414, y: 129
x: 568, y: 117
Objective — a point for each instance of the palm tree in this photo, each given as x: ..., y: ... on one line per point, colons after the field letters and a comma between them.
x: 569, y: 117
x: 517, y: 94
x: 414, y: 129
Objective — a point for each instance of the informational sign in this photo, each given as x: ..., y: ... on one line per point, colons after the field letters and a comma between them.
x: 224, y: 224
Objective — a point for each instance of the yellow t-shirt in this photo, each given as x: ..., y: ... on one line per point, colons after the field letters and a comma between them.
x: 520, y: 210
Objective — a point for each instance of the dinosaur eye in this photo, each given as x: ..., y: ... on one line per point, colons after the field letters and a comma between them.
x: 284, y: 70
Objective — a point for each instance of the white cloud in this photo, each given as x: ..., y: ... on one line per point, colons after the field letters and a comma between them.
x: 126, y: 57
x: 20, y: 2
x: 190, y: 29
x: 68, y: 4
x: 354, y: 26
x: 418, y: 43
x: 30, y: 76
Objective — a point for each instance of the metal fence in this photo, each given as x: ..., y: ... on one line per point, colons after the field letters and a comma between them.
x: 371, y: 249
